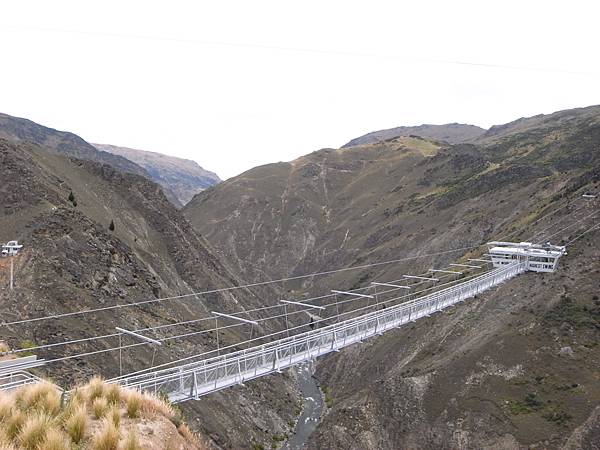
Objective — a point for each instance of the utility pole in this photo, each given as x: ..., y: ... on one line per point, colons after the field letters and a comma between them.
x: 11, y: 273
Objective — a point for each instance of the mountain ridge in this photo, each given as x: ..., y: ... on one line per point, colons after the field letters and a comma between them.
x: 183, y: 177
x: 180, y: 179
x: 408, y: 196
x: 453, y: 133
x: 19, y: 129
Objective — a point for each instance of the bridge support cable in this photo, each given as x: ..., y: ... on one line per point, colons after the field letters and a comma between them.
x: 215, y: 330
x: 96, y: 352
x: 390, y: 285
x: 181, y: 323
x: 239, y: 287
x: 287, y: 325
x: 415, y: 277
x: 569, y: 226
x: 306, y: 305
x: 230, y: 288
x: 204, y: 354
x: 445, y: 271
x: 217, y: 335
x: 592, y: 228
x: 223, y: 371
x: 351, y: 293
x: 468, y: 266
x: 544, y: 230
x: 552, y: 212
x: 137, y: 336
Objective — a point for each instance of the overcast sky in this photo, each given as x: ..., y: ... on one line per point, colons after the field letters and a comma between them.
x: 235, y: 84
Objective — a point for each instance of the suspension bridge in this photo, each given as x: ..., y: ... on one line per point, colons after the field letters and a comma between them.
x: 190, y: 381
x: 338, y: 319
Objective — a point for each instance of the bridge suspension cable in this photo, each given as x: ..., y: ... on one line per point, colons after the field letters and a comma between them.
x: 96, y: 352
x: 230, y: 288
x: 570, y: 225
x: 188, y: 358
x: 592, y: 228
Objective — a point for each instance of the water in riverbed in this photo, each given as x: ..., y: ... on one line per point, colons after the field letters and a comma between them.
x: 311, y: 411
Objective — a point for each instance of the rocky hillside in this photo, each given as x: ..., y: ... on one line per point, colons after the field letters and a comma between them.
x: 453, y: 133
x: 16, y: 129
x: 75, y: 260
x: 541, y: 123
x: 484, y: 374
x: 182, y: 177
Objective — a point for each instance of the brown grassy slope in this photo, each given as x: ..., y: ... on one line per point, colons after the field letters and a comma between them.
x: 453, y: 133
x: 96, y: 416
x: 373, y: 202
x: 182, y: 177
x: 336, y: 208
x: 556, y: 120
x: 516, y: 367
x: 72, y: 261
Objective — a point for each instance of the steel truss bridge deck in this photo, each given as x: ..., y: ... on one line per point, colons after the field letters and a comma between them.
x: 193, y: 380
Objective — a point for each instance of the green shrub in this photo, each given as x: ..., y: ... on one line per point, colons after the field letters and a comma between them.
x: 559, y: 417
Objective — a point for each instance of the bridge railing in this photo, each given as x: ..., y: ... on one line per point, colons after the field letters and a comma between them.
x: 195, y: 379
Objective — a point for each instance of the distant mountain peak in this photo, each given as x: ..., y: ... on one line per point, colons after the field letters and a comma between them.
x: 183, y: 178
x: 453, y: 133
x: 20, y: 130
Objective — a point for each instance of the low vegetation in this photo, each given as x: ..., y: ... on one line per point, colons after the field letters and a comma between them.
x: 328, y: 398
x: 96, y: 416
x: 575, y: 313
x: 529, y: 404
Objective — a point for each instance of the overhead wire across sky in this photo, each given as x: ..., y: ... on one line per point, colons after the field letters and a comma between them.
x: 258, y: 46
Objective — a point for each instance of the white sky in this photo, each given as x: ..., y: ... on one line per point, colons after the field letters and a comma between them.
x: 235, y: 84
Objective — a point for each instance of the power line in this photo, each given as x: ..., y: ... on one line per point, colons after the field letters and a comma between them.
x: 592, y: 228
x: 231, y: 288
x: 69, y: 342
x: 140, y: 330
x: 394, y: 56
x: 538, y: 220
x: 235, y: 326
x: 569, y: 226
x: 294, y: 328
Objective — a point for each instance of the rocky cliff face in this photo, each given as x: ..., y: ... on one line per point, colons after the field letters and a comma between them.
x: 182, y: 177
x: 484, y: 374
x: 72, y: 261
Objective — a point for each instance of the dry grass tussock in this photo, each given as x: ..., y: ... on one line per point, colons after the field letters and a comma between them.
x: 96, y: 416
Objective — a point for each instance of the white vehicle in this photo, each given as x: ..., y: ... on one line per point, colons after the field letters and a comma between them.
x: 11, y: 248
x: 539, y: 257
